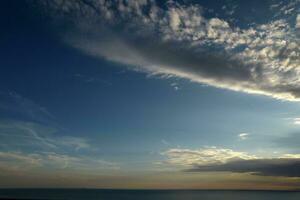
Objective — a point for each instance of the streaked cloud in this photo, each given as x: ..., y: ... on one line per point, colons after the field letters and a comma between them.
x: 289, y: 141
x: 91, y: 79
x: 28, y: 146
x: 75, y: 142
x: 296, y: 120
x: 17, y: 134
x: 243, y: 136
x: 18, y: 161
x: 17, y: 105
x: 204, y: 156
x: 165, y: 142
x: 291, y: 156
x: 179, y: 41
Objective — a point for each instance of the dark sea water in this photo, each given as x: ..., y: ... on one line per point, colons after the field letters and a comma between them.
x: 94, y: 194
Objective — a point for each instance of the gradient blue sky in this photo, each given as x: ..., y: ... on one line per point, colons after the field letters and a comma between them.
x: 63, y: 108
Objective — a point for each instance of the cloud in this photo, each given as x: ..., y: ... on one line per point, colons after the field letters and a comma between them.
x: 18, y: 161
x: 179, y: 41
x: 12, y: 103
x: 35, y: 128
x: 291, y: 156
x: 288, y: 9
x: 296, y: 121
x: 289, y: 141
x: 243, y: 136
x: 263, y: 167
x: 298, y: 21
x: 74, y: 142
x: 90, y: 79
x: 175, y: 86
x: 165, y: 142
x: 204, y: 156
x: 24, y: 135
x: 212, y: 159
x: 29, y: 146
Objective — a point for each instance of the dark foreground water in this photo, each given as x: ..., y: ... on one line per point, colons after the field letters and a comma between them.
x: 91, y: 194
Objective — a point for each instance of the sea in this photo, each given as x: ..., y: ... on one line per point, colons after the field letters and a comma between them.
x: 100, y: 194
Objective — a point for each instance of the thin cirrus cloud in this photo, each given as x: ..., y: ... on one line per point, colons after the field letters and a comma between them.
x: 18, y: 134
x: 212, y: 159
x: 290, y: 141
x: 296, y: 121
x: 13, y: 103
x: 34, y: 141
x: 14, y: 161
x: 178, y: 40
x: 29, y: 124
x: 27, y: 145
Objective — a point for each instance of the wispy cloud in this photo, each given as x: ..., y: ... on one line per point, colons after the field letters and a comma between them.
x: 179, y: 41
x: 296, y: 120
x: 91, y: 79
x: 74, y: 142
x: 203, y: 156
x: 175, y: 86
x: 165, y: 142
x: 28, y: 145
x: 25, y: 108
x: 19, y: 161
x: 289, y: 141
x: 17, y: 134
x: 243, y: 136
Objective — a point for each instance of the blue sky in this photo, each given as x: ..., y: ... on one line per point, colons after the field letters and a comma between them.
x: 122, y: 92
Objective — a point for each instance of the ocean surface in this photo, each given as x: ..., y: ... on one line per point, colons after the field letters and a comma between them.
x: 95, y: 194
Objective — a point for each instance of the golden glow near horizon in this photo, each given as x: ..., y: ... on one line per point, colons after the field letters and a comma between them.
x: 150, y: 94
x: 152, y: 180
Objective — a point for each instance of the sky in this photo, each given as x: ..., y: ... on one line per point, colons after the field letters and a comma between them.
x: 150, y: 94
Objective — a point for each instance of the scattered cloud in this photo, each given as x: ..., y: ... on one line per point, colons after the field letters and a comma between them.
x: 287, y: 9
x: 229, y: 9
x: 179, y: 41
x: 293, y: 120
x: 298, y: 21
x: 296, y: 121
x: 204, y: 156
x: 175, y: 86
x: 243, y: 136
x: 212, y: 159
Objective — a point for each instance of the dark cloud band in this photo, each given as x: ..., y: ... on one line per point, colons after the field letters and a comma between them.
x: 285, y: 167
